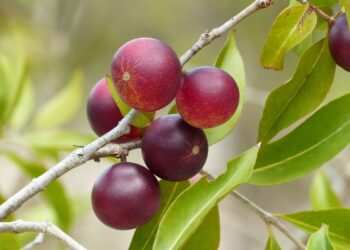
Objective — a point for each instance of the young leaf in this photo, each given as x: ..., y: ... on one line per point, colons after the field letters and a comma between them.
x: 322, y: 195
x: 190, y: 208
x: 346, y: 5
x: 337, y: 219
x: 63, y: 106
x: 54, y: 194
x: 143, y: 119
x: 306, y: 148
x: 23, y: 109
x: 230, y: 60
x: 300, y: 95
x: 54, y: 139
x: 271, y: 243
x: 319, y: 240
x: 206, y: 237
x: 292, y: 26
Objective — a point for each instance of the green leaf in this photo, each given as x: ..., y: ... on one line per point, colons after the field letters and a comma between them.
x: 4, y: 65
x: 338, y: 221
x: 24, y: 107
x: 322, y: 195
x: 63, y: 106
x: 13, y: 63
x: 304, y: 45
x: 54, y: 139
x: 173, y: 110
x: 322, y: 24
x: 143, y: 119
x: 8, y: 241
x: 319, y: 240
x: 54, y: 194
x: 292, y: 26
x: 300, y: 95
x: 318, y: 3
x: 230, y: 60
x: 346, y: 5
x: 271, y: 243
x: 144, y: 236
x: 306, y: 148
x: 206, y: 237
x: 190, y: 208
x: 324, y: 3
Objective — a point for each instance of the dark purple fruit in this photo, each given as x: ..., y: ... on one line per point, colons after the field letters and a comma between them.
x: 339, y: 42
x: 126, y: 196
x: 104, y: 115
x: 173, y: 149
x: 147, y: 73
x: 208, y: 97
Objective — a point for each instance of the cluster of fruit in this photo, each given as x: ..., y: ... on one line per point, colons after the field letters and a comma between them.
x: 147, y: 75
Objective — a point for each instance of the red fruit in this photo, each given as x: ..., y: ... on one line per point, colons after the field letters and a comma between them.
x: 173, y: 149
x: 126, y: 196
x: 104, y: 115
x: 207, y: 97
x: 147, y: 73
x: 339, y: 42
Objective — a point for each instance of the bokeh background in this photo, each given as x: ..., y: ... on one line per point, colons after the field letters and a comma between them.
x: 61, y: 36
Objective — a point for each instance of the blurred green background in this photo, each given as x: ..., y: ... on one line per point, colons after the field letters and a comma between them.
x: 69, y: 44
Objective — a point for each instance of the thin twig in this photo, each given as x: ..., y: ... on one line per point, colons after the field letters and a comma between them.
x: 48, y: 228
x: 319, y: 12
x: 267, y: 217
x: 38, y: 240
x: 208, y: 36
x: 74, y: 159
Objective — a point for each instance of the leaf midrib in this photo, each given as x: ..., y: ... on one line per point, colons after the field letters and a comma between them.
x: 302, y: 152
x: 312, y: 227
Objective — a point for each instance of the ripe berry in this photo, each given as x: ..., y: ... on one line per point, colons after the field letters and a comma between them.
x: 126, y: 196
x: 339, y: 42
x: 147, y: 73
x: 207, y: 97
x: 103, y: 114
x: 173, y: 149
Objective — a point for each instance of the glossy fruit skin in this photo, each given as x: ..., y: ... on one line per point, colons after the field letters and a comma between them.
x: 126, y: 196
x: 147, y: 73
x: 174, y: 150
x: 103, y: 114
x: 339, y: 42
x: 207, y: 97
